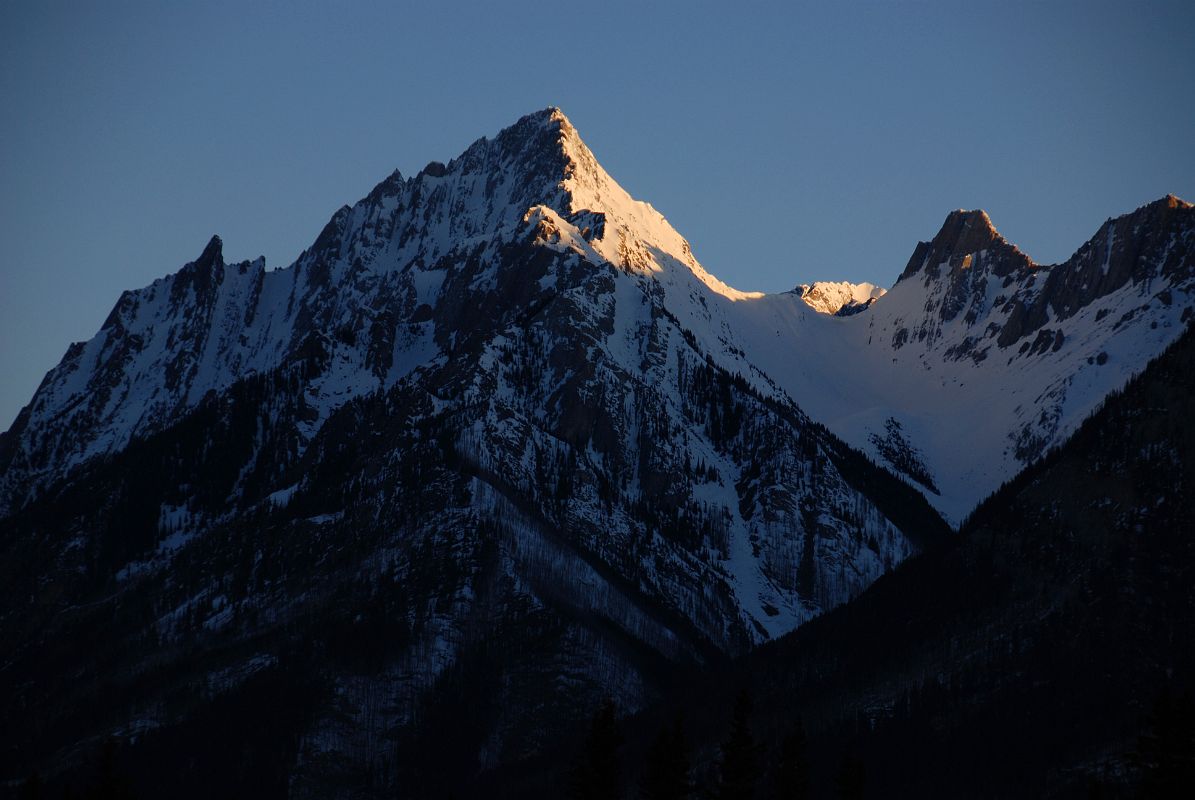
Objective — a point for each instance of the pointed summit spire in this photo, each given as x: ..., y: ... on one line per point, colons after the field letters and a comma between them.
x: 212, y: 256
x: 963, y: 234
x: 389, y: 186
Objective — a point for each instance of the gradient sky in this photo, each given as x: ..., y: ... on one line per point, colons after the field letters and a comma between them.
x: 787, y: 142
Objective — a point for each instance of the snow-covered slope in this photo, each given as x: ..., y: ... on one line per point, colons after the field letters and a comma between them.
x: 979, y: 360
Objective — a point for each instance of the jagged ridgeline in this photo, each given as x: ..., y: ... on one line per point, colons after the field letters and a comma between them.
x: 459, y: 472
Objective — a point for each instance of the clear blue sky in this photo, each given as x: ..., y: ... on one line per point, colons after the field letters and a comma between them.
x: 789, y: 142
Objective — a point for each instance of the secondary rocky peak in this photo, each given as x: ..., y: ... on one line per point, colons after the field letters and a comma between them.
x: 975, y: 228
x: 1156, y: 220
x: 205, y: 271
x: 963, y: 235
x: 1156, y: 240
x: 1161, y: 213
x: 213, y: 253
x: 390, y: 186
x: 434, y: 169
x: 1164, y: 214
x: 839, y: 298
x: 202, y: 274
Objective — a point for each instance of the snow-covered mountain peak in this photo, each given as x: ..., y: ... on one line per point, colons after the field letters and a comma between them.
x: 839, y: 298
x: 407, y: 250
x: 629, y: 233
x: 425, y: 268
x: 489, y: 193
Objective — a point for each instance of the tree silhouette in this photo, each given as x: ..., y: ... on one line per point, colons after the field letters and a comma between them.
x: 109, y: 783
x: 739, y: 767
x: 792, y: 769
x: 851, y: 779
x: 32, y: 789
x: 666, y: 773
x: 1166, y: 754
x: 595, y: 775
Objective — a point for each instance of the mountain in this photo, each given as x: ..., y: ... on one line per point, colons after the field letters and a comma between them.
x: 977, y: 344
x: 974, y: 343
x: 841, y: 298
x: 496, y: 446
x: 1043, y: 652
x: 466, y: 452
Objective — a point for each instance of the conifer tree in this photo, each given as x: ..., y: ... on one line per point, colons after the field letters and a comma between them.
x: 792, y: 769
x: 31, y: 789
x: 666, y: 773
x: 109, y: 783
x: 595, y: 775
x: 739, y: 767
x: 851, y: 780
x: 1166, y: 754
